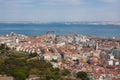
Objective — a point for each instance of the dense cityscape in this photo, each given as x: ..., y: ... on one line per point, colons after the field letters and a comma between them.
x: 59, y: 40
x: 98, y: 57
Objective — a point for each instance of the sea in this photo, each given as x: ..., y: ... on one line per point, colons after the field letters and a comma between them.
x: 107, y: 31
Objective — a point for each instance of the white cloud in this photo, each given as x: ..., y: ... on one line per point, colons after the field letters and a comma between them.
x: 110, y: 1
x: 65, y: 1
x: 43, y: 2
x: 60, y: 2
x: 16, y: 1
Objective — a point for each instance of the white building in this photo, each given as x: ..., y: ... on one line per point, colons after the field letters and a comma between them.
x: 110, y: 62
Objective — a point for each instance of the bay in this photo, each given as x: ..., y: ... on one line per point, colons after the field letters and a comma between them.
x: 108, y: 31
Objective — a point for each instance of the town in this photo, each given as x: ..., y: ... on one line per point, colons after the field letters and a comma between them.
x: 99, y: 57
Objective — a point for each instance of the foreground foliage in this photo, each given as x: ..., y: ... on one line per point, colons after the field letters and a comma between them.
x: 82, y: 75
x: 21, y: 65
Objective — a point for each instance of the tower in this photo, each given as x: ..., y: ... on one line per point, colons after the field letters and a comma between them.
x: 16, y: 40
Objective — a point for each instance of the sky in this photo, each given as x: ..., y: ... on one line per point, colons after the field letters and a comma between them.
x: 59, y: 10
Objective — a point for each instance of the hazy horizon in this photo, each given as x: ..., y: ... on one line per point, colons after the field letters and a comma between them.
x: 59, y: 10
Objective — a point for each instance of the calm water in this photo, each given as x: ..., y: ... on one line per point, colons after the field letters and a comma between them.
x: 41, y: 29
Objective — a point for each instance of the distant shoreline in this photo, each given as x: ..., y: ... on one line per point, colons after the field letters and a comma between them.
x: 67, y: 23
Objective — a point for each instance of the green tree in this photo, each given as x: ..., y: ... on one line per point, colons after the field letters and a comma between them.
x: 35, y: 71
x: 33, y: 55
x: 19, y: 74
x: 66, y: 72
x: 82, y: 75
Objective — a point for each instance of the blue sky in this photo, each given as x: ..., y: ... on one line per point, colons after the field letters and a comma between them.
x: 59, y: 10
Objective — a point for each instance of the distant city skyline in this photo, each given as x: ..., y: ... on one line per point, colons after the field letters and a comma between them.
x: 59, y: 10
